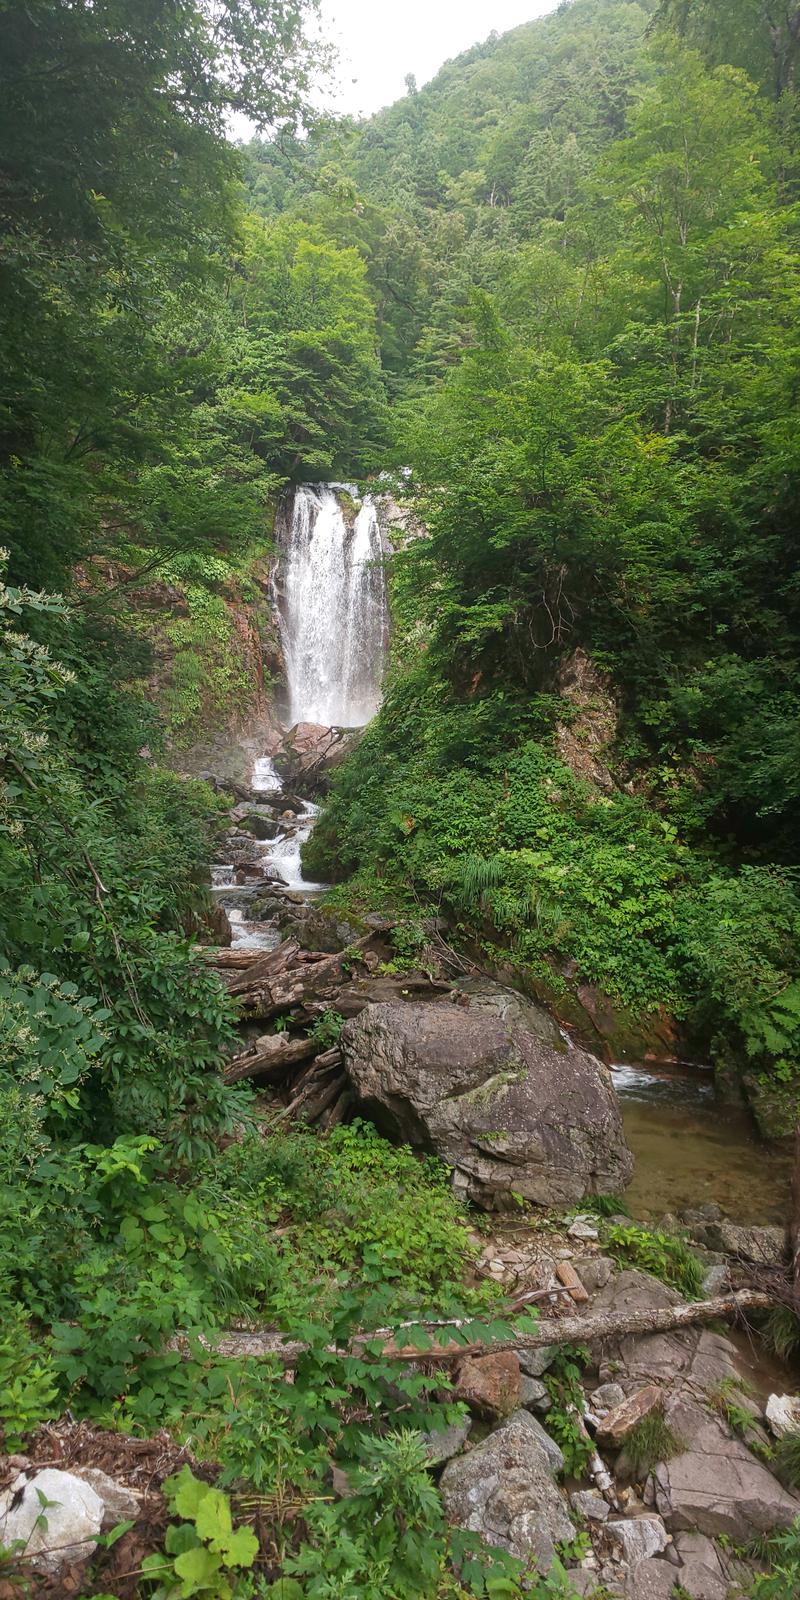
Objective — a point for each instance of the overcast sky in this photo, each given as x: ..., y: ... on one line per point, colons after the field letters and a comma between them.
x: 379, y: 43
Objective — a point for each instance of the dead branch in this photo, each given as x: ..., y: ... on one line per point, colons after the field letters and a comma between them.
x: 593, y: 1329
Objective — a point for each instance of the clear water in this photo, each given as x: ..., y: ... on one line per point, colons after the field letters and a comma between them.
x: 689, y: 1149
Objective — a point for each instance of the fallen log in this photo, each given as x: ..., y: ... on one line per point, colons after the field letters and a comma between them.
x: 272, y: 1055
x: 593, y: 1329
x: 231, y: 960
x: 267, y: 966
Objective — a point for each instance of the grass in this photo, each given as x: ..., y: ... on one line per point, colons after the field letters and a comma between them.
x: 652, y: 1440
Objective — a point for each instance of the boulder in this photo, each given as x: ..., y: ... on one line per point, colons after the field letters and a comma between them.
x: 590, y: 1505
x: 120, y: 1504
x: 783, y: 1414
x: 701, y: 1572
x: 535, y: 1362
x: 510, y: 1113
x: 260, y: 825
x: 716, y: 1485
x: 594, y: 1271
x: 503, y: 1490
x: 552, y: 1450
x: 512, y: 1008
x: 443, y: 1443
x: 534, y: 1396
x: 650, y: 1580
x: 58, y: 1533
x: 767, y: 1246
x: 490, y: 1384
x: 689, y: 1355
x: 640, y: 1537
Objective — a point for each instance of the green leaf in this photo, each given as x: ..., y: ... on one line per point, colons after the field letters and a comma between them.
x: 241, y: 1548
x: 198, y: 1569
x: 186, y: 1492
x: 213, y: 1518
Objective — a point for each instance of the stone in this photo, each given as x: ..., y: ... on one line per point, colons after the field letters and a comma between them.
x: 489, y: 1384
x: 589, y: 1584
x: 261, y: 827
x: 606, y: 1396
x: 716, y: 1281
x: 615, y: 1426
x: 512, y: 1115
x: 121, y: 1504
x: 74, y: 1518
x: 716, y: 1485
x: 535, y: 1362
x: 512, y: 1008
x: 551, y: 1449
x: 580, y: 1229
x: 640, y: 1537
x: 701, y: 1572
x: 503, y: 1490
x: 594, y: 1271
x: 534, y: 1395
x: 693, y: 1356
x: 650, y: 1580
x: 589, y: 1505
x: 767, y: 1246
x: 441, y: 1444
x: 783, y: 1414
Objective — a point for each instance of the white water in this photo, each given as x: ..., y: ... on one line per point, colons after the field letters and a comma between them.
x: 333, y: 610
x: 284, y: 853
x: 265, y: 779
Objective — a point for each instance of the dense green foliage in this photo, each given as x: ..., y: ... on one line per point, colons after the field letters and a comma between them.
x: 599, y: 410
x: 560, y: 284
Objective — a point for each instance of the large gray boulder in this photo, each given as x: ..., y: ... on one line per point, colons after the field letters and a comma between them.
x: 716, y: 1485
x: 508, y: 1111
x: 504, y: 1490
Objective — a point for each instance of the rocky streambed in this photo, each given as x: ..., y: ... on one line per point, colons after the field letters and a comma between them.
x: 678, y: 1422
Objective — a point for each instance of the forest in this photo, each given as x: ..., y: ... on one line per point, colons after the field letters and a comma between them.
x: 550, y: 301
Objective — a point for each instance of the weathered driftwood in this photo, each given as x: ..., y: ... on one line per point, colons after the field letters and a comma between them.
x: 596, y: 1328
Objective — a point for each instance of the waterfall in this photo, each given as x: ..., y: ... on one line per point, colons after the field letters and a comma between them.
x: 332, y: 604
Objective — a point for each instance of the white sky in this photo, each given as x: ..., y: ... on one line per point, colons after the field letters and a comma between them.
x: 380, y: 42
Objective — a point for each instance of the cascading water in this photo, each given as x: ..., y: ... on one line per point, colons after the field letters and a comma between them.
x: 332, y: 605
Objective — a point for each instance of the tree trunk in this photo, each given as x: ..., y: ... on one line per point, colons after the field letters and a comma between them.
x: 593, y: 1329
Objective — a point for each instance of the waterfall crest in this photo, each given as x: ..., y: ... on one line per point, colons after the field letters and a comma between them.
x: 331, y: 588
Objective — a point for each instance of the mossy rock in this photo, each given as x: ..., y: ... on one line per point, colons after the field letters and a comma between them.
x: 775, y: 1106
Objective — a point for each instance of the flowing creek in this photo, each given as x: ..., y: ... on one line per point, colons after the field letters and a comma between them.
x: 330, y: 596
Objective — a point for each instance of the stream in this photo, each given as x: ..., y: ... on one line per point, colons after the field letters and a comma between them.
x: 330, y: 597
x: 689, y: 1148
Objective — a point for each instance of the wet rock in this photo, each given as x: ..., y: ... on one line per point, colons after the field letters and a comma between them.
x: 640, y: 1537
x: 783, y: 1414
x: 503, y: 1489
x: 442, y: 1444
x: 589, y: 1505
x: 490, y: 1384
x: 534, y: 1396
x: 510, y: 1113
x: 74, y: 1518
x: 715, y: 1485
x: 259, y: 825
x: 615, y: 1426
